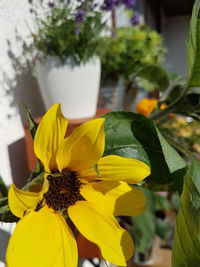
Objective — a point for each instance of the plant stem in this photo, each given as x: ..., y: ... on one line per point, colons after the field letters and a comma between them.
x: 171, y: 108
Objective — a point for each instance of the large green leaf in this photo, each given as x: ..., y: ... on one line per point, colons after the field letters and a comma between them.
x: 194, y: 47
x: 186, y: 243
x: 167, y: 167
x: 119, y: 137
x: 134, y: 135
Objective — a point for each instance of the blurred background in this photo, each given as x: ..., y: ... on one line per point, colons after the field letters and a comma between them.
x: 140, y: 42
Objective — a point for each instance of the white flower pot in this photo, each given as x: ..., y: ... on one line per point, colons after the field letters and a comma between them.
x: 75, y: 87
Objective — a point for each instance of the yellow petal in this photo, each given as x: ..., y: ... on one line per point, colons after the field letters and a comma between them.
x: 42, y: 239
x: 119, y: 197
x: 114, y: 168
x: 83, y: 148
x: 100, y: 227
x: 20, y: 201
x: 51, y: 131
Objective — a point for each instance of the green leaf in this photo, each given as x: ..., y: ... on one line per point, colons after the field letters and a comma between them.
x: 3, y: 188
x: 38, y: 169
x: 167, y: 167
x: 186, y: 243
x: 33, y: 127
x: 193, y: 47
x: 31, y: 123
x: 147, y: 225
x: 190, y: 103
x: 156, y: 77
x: 5, y: 213
x: 119, y: 137
x: 144, y: 226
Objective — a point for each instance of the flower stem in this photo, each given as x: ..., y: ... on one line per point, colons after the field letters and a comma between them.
x: 171, y: 108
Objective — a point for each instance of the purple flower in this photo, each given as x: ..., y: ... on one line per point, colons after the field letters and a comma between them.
x: 130, y: 3
x: 135, y: 19
x: 94, y: 6
x: 80, y: 16
x: 108, y: 5
x: 50, y: 4
x: 127, y: 3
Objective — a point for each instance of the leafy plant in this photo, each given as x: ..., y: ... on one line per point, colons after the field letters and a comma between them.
x: 129, y: 51
x: 65, y: 30
x: 173, y: 168
x: 70, y: 29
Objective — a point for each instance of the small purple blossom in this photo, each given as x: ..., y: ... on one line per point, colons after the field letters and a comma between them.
x: 135, y: 19
x: 108, y: 5
x: 80, y: 16
x: 50, y: 4
x: 127, y: 3
x: 94, y: 6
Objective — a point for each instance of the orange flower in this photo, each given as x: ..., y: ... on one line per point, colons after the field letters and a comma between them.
x: 147, y: 105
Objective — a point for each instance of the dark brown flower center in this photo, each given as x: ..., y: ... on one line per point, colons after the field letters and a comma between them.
x: 64, y: 190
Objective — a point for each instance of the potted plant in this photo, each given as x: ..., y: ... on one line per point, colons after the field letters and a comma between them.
x: 130, y: 50
x: 67, y: 43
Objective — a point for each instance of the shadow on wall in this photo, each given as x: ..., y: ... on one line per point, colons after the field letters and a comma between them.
x: 23, y: 86
x: 19, y: 85
x: 18, y: 162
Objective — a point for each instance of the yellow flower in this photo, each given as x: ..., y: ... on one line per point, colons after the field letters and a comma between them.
x: 147, y: 105
x: 42, y: 237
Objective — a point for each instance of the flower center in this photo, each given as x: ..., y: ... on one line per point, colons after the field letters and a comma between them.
x: 64, y: 190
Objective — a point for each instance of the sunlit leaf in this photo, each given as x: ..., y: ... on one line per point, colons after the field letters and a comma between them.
x: 167, y: 167
x: 186, y: 243
x: 193, y: 47
x: 32, y: 125
x: 119, y: 137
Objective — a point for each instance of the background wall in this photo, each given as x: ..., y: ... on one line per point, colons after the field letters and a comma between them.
x: 16, y: 84
x: 175, y: 32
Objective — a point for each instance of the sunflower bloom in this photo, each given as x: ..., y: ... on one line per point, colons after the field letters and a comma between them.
x: 43, y: 237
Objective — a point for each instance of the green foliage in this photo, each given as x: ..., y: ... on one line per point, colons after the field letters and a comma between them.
x: 3, y: 188
x: 129, y: 51
x: 59, y: 34
x: 32, y: 125
x: 147, y: 225
x: 5, y: 213
x: 153, y: 77
x: 194, y: 47
x: 134, y: 135
x: 119, y: 137
x: 186, y: 243
x: 167, y: 167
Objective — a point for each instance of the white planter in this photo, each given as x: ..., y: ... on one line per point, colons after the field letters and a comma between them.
x: 75, y: 87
